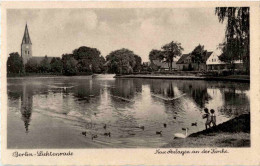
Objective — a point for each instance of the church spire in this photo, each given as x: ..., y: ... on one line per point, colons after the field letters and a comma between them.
x: 26, y: 36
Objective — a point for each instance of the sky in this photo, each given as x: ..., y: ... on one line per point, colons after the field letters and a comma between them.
x: 54, y: 32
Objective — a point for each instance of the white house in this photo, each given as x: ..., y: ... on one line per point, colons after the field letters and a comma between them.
x: 213, y: 63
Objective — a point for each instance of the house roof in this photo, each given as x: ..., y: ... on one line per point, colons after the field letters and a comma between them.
x: 163, y: 64
x: 182, y: 58
x: 207, y: 56
x: 38, y: 59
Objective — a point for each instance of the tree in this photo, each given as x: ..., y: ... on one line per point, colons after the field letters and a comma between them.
x: 56, y: 65
x: 101, y: 64
x: 121, y: 61
x: 89, y: 59
x: 32, y: 66
x: 171, y: 50
x: 45, y: 66
x: 156, y: 55
x: 15, y: 63
x: 237, y: 34
x: 198, y: 54
x: 138, y: 63
x: 69, y: 64
x: 229, y: 55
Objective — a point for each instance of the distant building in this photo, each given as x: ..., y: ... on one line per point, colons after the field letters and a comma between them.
x: 26, y: 46
x: 38, y: 59
x: 185, y: 62
x: 26, y: 49
x: 160, y: 65
x: 213, y: 63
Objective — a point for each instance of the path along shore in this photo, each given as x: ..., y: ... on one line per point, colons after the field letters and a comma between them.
x: 187, y: 77
x: 233, y: 133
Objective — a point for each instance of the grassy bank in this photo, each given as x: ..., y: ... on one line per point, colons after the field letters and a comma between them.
x: 233, y: 133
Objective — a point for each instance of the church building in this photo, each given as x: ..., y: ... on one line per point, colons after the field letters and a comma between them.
x: 26, y: 46
x: 26, y: 49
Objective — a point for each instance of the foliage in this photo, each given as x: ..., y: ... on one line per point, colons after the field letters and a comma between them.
x: 69, y: 64
x: 31, y: 66
x: 138, y: 63
x: 121, y: 61
x: 198, y: 54
x: 56, y: 65
x: 236, y: 46
x: 190, y: 67
x: 172, y: 50
x: 156, y: 55
x: 15, y: 63
x: 45, y: 66
x: 89, y: 59
x: 102, y: 61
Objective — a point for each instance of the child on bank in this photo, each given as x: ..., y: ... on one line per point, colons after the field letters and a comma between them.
x: 208, y: 117
x: 213, y: 117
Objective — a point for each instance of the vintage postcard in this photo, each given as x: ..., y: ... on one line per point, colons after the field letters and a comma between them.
x: 130, y: 83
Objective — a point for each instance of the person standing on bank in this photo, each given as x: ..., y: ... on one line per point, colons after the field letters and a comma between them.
x: 213, y: 117
x: 208, y: 117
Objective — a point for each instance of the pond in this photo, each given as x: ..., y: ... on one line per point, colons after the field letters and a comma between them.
x: 52, y: 112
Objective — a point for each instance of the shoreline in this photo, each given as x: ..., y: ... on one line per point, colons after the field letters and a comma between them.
x: 177, y: 77
x: 52, y: 76
x: 233, y: 133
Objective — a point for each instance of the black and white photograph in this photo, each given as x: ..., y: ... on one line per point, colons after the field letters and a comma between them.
x: 128, y: 78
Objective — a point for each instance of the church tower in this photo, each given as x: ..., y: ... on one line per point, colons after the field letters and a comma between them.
x: 26, y: 46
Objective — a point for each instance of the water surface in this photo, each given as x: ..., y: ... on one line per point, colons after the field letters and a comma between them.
x: 52, y: 112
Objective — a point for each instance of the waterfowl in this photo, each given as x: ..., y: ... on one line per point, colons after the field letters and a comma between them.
x: 94, y: 136
x: 165, y: 125
x: 140, y: 127
x: 107, y: 134
x: 131, y: 133
x: 159, y: 132
x: 194, y: 124
x: 174, y: 117
x: 105, y: 126
x: 84, y: 133
x: 181, y: 135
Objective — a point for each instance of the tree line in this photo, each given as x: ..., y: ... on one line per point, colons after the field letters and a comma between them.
x: 83, y: 60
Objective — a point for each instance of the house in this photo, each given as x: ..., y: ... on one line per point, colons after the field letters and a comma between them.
x: 185, y: 62
x: 213, y: 63
x: 160, y: 65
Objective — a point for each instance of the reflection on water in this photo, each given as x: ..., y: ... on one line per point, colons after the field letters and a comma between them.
x: 55, y: 111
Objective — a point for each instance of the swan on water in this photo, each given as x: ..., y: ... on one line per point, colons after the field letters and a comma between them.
x: 181, y: 135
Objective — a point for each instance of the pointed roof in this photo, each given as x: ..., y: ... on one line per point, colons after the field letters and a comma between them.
x: 182, y: 58
x: 26, y: 36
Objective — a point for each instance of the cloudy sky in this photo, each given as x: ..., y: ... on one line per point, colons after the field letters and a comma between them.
x: 54, y: 32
